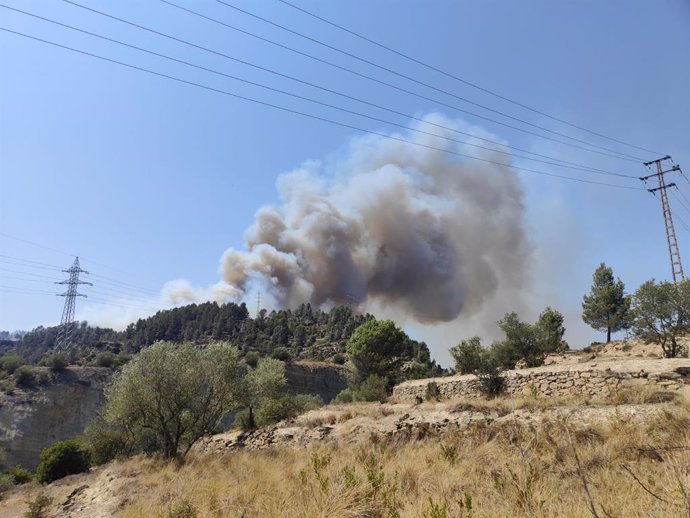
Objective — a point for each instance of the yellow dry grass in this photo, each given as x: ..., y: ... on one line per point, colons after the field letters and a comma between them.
x: 617, y: 468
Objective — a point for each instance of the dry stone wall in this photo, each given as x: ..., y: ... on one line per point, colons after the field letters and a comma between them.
x: 589, y: 379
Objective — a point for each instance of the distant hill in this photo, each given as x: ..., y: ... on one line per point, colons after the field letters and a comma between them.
x: 305, y: 333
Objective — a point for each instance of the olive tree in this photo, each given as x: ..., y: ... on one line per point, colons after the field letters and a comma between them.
x: 661, y: 314
x: 175, y: 394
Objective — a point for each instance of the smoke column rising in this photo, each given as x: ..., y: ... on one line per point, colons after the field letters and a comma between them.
x: 418, y: 232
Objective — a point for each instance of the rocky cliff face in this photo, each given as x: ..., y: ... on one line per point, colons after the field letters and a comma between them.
x: 34, y: 419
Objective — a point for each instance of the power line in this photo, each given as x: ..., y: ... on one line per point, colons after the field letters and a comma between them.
x: 409, y: 78
x: 308, y: 99
x: 315, y: 117
x: 464, y: 81
x: 391, y: 85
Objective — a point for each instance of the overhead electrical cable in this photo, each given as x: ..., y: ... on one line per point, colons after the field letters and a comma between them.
x: 464, y: 81
x: 315, y: 117
x: 329, y: 105
x: 412, y: 79
x: 391, y: 85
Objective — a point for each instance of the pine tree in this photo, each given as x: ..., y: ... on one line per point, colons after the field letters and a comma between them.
x: 606, y: 307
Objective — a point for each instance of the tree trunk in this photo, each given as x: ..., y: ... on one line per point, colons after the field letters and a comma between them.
x: 608, y: 334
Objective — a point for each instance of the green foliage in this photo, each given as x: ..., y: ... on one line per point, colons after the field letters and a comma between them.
x: 57, y: 362
x: 183, y: 509
x: 529, y: 342
x: 282, y: 354
x: 379, y: 348
x: 105, y: 359
x: 491, y: 381
x: 25, y: 376
x: 105, y: 442
x: 661, y: 314
x: 550, y: 330
x: 38, y: 507
x: 606, y: 307
x: 245, y: 420
x: 468, y: 355
x: 20, y: 475
x: 339, y: 359
x: 374, y: 388
x: 432, y: 392
x: 11, y: 362
x: 61, y: 459
x: 178, y: 393
x: 252, y: 358
x: 7, y: 482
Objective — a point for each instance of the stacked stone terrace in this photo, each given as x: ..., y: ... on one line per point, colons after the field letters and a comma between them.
x: 590, y: 379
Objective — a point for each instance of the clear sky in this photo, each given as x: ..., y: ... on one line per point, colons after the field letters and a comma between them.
x: 148, y: 180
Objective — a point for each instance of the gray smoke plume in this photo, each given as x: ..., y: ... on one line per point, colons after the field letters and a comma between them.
x: 420, y: 232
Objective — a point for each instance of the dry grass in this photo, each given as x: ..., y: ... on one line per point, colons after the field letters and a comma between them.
x: 550, y: 469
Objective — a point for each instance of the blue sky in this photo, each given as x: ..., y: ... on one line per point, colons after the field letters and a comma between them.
x: 149, y: 180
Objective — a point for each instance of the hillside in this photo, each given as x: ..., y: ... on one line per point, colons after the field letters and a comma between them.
x: 615, y: 444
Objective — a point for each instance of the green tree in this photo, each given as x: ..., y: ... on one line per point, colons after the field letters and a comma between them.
x: 468, y: 355
x: 379, y: 347
x: 521, y: 343
x: 176, y: 393
x: 550, y: 330
x: 606, y: 307
x: 661, y: 314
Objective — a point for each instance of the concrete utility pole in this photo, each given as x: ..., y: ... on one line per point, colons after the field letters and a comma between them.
x: 674, y: 252
x: 67, y: 322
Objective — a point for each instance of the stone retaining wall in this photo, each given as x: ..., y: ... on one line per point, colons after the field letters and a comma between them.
x: 590, y: 380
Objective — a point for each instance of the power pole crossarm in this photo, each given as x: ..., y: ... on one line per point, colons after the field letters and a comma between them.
x: 671, y: 238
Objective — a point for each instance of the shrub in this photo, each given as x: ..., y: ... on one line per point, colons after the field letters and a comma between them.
x: 106, y: 443
x: 491, y: 382
x: 105, y: 359
x: 183, y: 509
x: 282, y: 354
x: 11, y: 362
x: 20, y: 475
x: 57, y: 362
x: 339, y: 359
x: 61, y: 459
x: 6, y: 482
x: 374, y: 388
x: 432, y: 392
x: 38, y: 506
x: 25, y: 376
x: 244, y: 420
x: 252, y: 358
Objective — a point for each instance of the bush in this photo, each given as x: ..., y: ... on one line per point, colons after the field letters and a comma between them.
x: 57, y: 362
x: 6, y: 482
x: 11, y: 362
x: 374, y: 388
x: 432, y: 392
x: 339, y: 359
x: 20, y: 475
x: 245, y: 421
x: 105, y: 359
x: 252, y: 358
x: 105, y: 442
x: 61, y: 459
x: 491, y: 382
x: 38, y: 506
x: 282, y: 354
x: 25, y: 376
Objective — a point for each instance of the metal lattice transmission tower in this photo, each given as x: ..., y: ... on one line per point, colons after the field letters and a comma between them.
x: 673, y: 250
x: 67, y: 320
